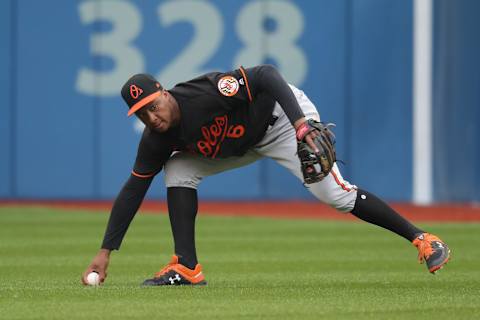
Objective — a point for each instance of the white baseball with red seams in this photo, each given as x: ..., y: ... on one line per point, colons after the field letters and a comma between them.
x: 93, y: 279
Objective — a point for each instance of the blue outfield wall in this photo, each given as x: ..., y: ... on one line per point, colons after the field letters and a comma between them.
x: 380, y: 137
x: 54, y: 125
x: 456, y: 100
x: 6, y: 32
x: 65, y: 134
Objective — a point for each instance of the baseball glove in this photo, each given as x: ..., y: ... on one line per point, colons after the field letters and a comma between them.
x: 316, y: 165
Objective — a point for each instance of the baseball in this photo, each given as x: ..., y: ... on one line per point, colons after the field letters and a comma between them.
x: 93, y: 279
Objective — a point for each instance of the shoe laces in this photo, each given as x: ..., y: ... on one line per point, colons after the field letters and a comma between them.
x: 424, y: 246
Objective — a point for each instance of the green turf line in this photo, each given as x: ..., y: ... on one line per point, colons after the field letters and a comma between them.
x: 256, y: 268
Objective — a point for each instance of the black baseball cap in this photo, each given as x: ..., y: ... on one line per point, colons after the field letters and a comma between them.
x: 140, y: 90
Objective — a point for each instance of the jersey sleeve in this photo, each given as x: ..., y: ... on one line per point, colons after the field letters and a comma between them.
x: 153, y: 151
x: 123, y: 211
x: 267, y: 79
x: 233, y: 84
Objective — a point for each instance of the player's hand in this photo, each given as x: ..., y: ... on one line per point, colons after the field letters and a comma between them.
x: 309, y: 140
x: 315, y: 149
x: 308, y: 136
x: 99, y: 265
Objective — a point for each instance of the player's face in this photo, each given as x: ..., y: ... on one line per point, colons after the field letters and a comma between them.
x: 161, y: 114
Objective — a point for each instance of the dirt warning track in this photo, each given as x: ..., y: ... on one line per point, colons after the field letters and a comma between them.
x: 277, y: 209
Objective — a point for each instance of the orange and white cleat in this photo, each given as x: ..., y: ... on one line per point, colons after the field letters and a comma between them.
x: 174, y: 274
x: 432, y: 250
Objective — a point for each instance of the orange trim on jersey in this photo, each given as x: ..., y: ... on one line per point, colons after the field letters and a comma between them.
x: 341, y: 184
x: 142, y: 175
x: 143, y: 102
x: 242, y: 71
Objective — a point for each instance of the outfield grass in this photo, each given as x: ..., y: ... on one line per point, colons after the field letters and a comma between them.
x: 255, y: 267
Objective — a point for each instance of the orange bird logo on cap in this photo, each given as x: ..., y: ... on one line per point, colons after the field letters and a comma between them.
x: 135, y: 91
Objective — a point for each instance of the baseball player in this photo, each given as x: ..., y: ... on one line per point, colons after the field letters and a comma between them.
x: 220, y: 121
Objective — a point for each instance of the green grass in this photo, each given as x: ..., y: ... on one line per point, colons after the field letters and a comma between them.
x: 255, y: 267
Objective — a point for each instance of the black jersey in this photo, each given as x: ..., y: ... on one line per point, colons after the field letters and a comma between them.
x: 219, y: 118
x: 222, y: 115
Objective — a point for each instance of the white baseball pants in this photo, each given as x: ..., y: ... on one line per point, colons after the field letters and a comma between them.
x: 280, y: 144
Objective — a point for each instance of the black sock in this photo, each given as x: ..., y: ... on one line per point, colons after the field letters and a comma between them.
x: 182, y: 210
x: 371, y: 209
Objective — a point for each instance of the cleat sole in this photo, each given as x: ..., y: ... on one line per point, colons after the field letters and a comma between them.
x: 441, y: 265
x: 204, y: 283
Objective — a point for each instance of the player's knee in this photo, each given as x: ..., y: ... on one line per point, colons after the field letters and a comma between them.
x: 177, y: 174
x: 343, y: 202
x: 344, y: 206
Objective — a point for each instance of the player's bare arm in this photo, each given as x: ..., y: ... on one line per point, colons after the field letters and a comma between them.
x: 99, y: 265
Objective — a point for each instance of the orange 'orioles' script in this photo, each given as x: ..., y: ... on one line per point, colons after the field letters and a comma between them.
x: 214, y: 134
